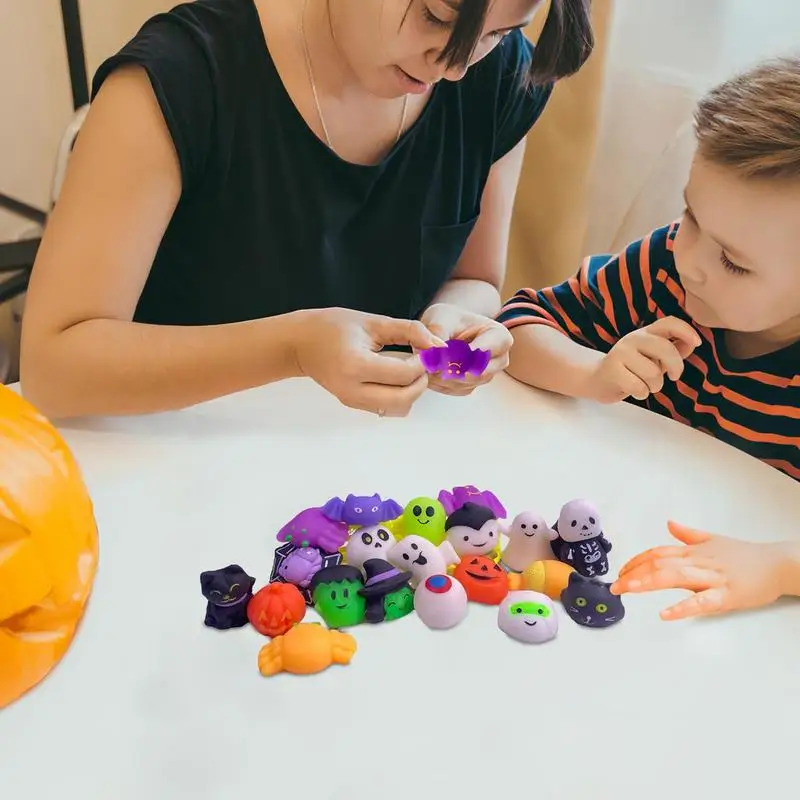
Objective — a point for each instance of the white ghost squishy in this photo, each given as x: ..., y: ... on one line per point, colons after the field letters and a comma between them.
x: 371, y: 541
x: 528, y: 617
x: 529, y: 538
x: 422, y: 558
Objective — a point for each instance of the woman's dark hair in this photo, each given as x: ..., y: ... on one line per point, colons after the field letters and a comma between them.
x: 566, y: 40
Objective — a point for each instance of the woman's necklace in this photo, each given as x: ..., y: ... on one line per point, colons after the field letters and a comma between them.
x: 314, y: 87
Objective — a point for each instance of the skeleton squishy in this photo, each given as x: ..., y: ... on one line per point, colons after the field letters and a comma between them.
x: 581, y: 542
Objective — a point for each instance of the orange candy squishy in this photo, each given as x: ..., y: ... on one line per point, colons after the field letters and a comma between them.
x: 48, y: 547
x: 547, y: 577
x: 305, y: 649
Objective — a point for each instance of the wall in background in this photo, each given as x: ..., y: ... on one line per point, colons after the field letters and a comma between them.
x: 35, y: 95
x: 36, y: 100
x: 661, y: 56
x: 691, y: 42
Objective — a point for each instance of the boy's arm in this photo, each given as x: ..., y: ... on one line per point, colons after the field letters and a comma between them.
x: 561, y: 333
x: 790, y: 579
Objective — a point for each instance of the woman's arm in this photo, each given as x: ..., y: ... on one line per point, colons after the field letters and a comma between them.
x: 481, y: 270
x: 81, y: 353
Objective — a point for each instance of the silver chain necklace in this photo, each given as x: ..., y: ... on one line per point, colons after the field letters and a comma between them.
x: 314, y: 87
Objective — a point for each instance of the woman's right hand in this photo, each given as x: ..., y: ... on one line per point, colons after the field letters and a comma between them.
x: 339, y: 349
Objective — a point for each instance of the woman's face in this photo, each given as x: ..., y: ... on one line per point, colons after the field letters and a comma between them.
x: 392, y: 46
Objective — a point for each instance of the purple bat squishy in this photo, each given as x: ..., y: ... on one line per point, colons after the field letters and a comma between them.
x: 312, y: 528
x: 300, y: 566
x: 455, y: 360
x: 362, y: 510
x: 470, y: 494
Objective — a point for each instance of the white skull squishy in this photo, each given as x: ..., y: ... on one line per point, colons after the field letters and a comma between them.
x: 372, y: 541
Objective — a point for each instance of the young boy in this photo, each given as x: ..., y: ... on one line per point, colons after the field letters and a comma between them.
x: 699, y: 321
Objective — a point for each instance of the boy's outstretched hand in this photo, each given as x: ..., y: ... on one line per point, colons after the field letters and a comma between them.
x: 724, y: 574
x: 636, y: 365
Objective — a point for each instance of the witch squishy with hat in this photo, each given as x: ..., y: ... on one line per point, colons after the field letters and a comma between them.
x: 387, y: 591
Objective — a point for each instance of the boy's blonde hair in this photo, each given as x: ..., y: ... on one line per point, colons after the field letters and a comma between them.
x: 751, y: 123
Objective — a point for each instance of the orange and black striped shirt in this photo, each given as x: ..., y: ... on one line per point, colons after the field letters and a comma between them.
x: 752, y: 404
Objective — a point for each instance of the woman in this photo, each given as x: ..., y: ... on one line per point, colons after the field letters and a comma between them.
x: 273, y: 188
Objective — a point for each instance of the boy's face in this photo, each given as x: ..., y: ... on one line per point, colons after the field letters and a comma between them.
x: 738, y: 251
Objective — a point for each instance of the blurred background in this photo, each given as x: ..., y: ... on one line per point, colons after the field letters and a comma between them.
x: 604, y: 165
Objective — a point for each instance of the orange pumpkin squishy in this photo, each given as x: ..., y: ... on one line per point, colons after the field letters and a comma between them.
x: 547, y: 577
x: 276, y: 608
x: 48, y: 547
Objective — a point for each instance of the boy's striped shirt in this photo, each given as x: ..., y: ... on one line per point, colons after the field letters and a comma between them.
x: 752, y: 404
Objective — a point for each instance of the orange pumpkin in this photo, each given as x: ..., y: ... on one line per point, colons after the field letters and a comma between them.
x: 276, y: 608
x: 48, y: 547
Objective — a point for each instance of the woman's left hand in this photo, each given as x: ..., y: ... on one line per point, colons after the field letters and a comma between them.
x: 723, y: 574
x: 451, y: 322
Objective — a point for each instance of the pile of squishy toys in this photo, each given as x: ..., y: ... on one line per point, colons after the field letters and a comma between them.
x: 366, y: 559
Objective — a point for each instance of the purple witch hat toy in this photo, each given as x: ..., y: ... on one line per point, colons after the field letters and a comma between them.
x: 455, y: 360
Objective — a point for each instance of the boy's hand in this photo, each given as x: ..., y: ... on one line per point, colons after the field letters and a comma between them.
x: 635, y: 366
x: 724, y: 574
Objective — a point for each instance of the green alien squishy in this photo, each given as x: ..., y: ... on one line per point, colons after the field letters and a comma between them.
x: 386, y: 591
x: 425, y: 517
x: 336, y: 598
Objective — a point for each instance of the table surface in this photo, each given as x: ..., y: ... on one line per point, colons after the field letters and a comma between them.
x: 150, y: 703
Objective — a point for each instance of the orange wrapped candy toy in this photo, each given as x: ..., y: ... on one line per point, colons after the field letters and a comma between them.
x: 547, y: 577
x: 48, y: 547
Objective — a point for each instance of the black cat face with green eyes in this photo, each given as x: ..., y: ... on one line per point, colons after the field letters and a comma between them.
x: 589, y: 602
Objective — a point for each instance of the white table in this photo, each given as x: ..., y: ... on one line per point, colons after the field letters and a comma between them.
x: 150, y: 704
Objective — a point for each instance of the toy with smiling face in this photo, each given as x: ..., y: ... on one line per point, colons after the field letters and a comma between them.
x: 227, y: 592
x: 590, y: 602
x: 580, y: 540
x: 373, y: 541
x: 425, y: 517
x: 387, y: 591
x: 473, y: 530
x: 335, y: 591
x: 528, y: 617
x: 529, y: 538
x: 483, y: 580
x: 422, y: 558
x: 361, y: 509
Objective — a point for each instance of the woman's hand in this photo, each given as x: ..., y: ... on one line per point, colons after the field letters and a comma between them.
x: 724, y: 574
x: 451, y: 322
x: 339, y: 349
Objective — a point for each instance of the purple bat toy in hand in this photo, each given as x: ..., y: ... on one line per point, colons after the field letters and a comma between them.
x: 455, y: 360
